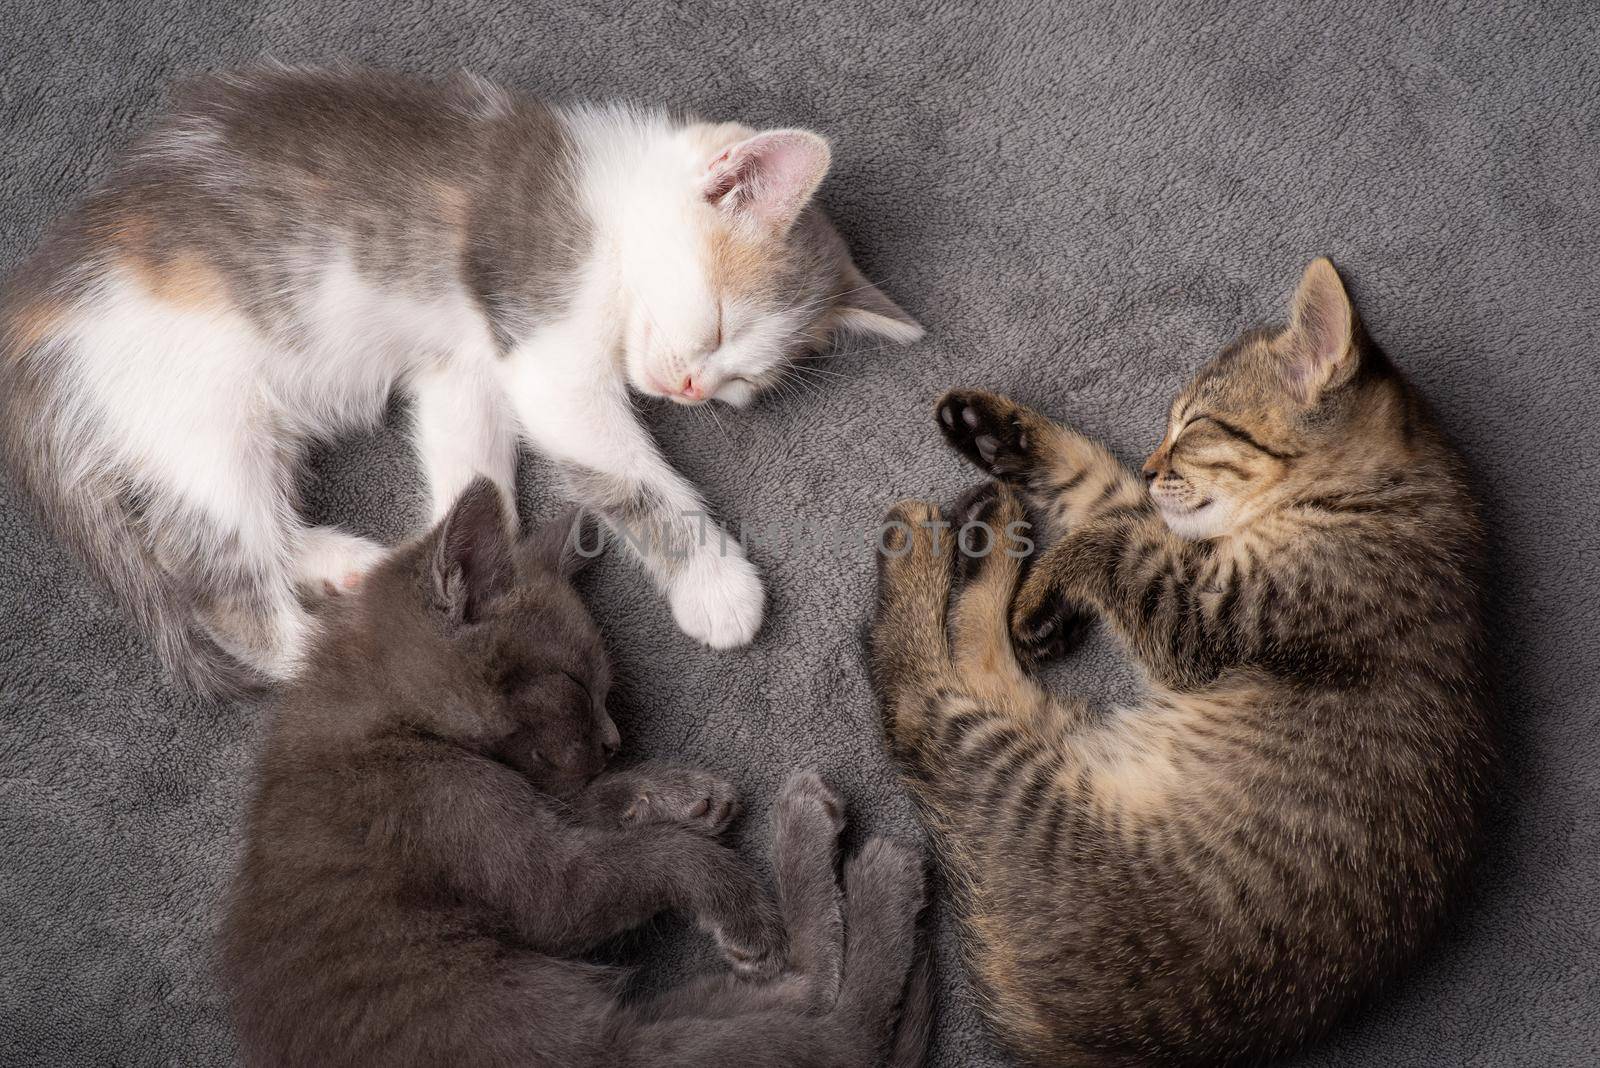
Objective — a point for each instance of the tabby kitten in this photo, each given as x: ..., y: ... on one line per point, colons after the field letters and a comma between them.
x: 1219, y: 872
x: 288, y: 247
x: 432, y: 844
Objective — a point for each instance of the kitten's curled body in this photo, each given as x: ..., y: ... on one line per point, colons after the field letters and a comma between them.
x: 288, y: 247
x: 432, y: 846
x: 1219, y: 872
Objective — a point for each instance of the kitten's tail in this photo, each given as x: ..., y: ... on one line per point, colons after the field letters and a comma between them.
x: 115, y: 550
x: 92, y: 518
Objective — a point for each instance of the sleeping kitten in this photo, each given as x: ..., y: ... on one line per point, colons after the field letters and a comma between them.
x: 289, y: 246
x: 432, y: 844
x: 1221, y: 871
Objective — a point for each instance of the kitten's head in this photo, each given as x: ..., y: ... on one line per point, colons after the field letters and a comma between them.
x: 480, y: 639
x: 1274, y: 415
x: 742, y: 274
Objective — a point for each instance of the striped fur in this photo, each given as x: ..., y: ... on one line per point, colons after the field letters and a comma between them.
x: 1221, y: 871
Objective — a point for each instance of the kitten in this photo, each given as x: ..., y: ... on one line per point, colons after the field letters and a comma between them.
x: 432, y: 842
x: 1221, y: 871
x: 288, y: 247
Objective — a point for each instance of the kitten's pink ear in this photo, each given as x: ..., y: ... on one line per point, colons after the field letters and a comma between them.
x: 471, y: 563
x: 769, y: 177
x: 1319, y: 348
x: 861, y: 309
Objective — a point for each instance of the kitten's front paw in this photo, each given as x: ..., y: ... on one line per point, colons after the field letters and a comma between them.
x: 696, y: 800
x: 718, y: 599
x: 332, y: 563
x: 1044, y: 625
x: 990, y: 431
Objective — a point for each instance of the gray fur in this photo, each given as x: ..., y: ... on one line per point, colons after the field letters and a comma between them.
x: 433, y: 845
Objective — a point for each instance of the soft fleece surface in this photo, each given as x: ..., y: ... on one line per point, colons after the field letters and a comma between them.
x: 1081, y: 202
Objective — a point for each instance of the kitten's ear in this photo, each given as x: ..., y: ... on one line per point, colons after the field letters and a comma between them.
x: 566, y: 544
x: 471, y: 563
x: 1319, y: 348
x: 769, y: 177
x: 861, y: 309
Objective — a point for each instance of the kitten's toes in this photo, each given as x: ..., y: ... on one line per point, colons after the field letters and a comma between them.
x: 988, y: 430
x: 972, y: 524
x: 757, y: 949
x: 696, y: 800
x: 718, y: 600
x: 1049, y: 630
x: 332, y: 563
x: 806, y: 796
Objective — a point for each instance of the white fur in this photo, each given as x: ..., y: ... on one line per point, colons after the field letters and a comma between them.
x: 200, y: 400
x: 1195, y: 523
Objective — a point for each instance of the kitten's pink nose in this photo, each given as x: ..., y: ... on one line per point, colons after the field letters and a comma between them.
x: 691, y: 389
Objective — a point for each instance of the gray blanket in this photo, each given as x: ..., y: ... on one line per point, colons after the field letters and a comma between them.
x: 1081, y: 202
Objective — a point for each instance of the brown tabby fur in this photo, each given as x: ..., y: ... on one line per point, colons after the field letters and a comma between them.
x: 1220, y: 872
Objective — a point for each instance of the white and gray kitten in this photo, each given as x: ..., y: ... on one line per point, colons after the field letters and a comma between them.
x: 289, y: 246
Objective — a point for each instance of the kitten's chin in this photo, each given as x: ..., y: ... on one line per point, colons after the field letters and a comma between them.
x: 1195, y: 522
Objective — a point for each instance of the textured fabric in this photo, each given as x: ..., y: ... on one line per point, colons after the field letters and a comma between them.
x: 1081, y: 201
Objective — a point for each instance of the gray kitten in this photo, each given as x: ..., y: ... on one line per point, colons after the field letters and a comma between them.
x: 288, y: 247
x: 433, y: 843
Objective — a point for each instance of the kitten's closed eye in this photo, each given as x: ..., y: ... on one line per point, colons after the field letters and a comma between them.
x: 565, y: 739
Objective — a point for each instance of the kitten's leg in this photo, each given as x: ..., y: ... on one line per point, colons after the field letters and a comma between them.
x: 225, y: 528
x: 1003, y: 735
x: 884, y: 893
x: 991, y: 529
x: 461, y: 429
x: 809, y: 819
x: 908, y: 649
x: 1076, y: 484
x: 568, y: 886
x: 1178, y: 610
x: 1066, y: 477
x: 662, y: 794
x: 585, y: 422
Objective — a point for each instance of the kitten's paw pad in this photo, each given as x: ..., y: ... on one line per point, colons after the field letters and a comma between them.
x: 806, y: 796
x: 696, y: 800
x: 332, y: 563
x: 718, y: 600
x: 990, y: 431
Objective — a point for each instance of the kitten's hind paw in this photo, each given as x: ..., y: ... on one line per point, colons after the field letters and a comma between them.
x: 332, y: 563
x: 696, y: 800
x: 989, y: 430
x: 806, y: 797
x: 758, y: 950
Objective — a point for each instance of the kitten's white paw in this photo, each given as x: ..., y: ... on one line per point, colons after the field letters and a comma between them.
x: 332, y: 563
x: 718, y: 600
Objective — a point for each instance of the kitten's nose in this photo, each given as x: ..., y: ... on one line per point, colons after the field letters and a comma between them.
x: 610, y: 737
x: 691, y: 389
x: 1151, y: 472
